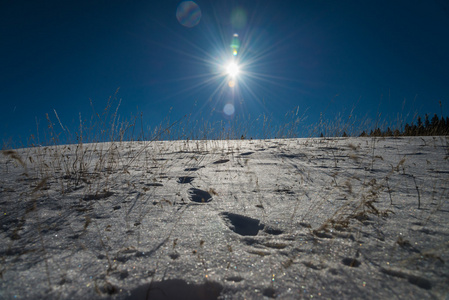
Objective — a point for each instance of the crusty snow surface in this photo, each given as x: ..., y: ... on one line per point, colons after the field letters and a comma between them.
x: 340, y: 218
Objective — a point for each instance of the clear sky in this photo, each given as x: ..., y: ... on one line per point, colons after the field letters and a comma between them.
x: 327, y: 57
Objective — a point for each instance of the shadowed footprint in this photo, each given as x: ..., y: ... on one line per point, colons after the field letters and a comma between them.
x: 413, y: 279
x: 192, y: 169
x: 234, y: 278
x: 246, y: 153
x: 200, y: 196
x: 177, y: 289
x: 154, y: 184
x: 351, y: 262
x: 97, y: 196
x: 269, y: 292
x: 221, y: 161
x: 185, y: 179
x: 241, y: 224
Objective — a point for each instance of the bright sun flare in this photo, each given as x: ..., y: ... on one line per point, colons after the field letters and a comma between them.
x: 232, y: 69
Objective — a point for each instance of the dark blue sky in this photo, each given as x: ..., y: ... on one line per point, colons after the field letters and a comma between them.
x: 323, y: 56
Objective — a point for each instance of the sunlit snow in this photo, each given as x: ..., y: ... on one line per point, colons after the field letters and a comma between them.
x: 338, y: 218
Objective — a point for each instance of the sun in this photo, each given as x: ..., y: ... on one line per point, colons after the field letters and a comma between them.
x: 232, y: 69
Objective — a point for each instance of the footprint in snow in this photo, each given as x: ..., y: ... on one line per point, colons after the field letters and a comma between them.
x: 246, y: 153
x: 176, y: 289
x: 221, y: 161
x: 413, y: 279
x: 246, y: 226
x: 154, y: 184
x: 185, y: 179
x: 199, y: 196
x: 192, y: 169
x: 97, y: 196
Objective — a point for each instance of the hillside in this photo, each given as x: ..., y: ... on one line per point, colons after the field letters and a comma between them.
x: 289, y: 219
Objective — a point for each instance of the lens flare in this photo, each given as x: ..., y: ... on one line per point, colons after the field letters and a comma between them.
x: 229, y: 109
x: 188, y: 14
x: 232, y: 69
x: 238, y: 18
x: 235, y: 44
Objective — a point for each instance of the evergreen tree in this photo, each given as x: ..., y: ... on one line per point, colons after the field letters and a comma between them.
x: 420, y: 127
x: 426, y: 125
x: 446, y: 127
x: 441, y: 126
x: 434, y: 125
x: 419, y: 121
x: 396, y: 132
x: 377, y: 132
x: 407, y: 130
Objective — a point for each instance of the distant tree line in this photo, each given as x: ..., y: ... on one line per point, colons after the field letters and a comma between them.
x: 435, y: 126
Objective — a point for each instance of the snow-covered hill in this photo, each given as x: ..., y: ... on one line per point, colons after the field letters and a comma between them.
x: 288, y: 219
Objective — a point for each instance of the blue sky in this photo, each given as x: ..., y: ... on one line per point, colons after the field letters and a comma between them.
x: 389, y: 57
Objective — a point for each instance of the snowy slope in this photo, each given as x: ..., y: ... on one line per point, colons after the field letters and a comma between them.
x: 288, y: 219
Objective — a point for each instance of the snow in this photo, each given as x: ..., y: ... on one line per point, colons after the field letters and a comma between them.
x: 288, y: 219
